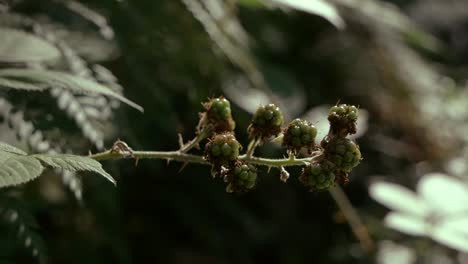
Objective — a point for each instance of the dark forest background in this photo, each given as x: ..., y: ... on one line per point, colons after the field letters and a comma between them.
x: 404, y: 63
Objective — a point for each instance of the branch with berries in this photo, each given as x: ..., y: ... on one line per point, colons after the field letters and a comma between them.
x: 324, y: 165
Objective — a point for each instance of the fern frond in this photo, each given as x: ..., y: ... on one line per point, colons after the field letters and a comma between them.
x: 56, y: 79
x: 236, y: 52
x: 19, y: 46
x: 68, y: 102
x: 101, y: 22
x: 37, y: 142
x: 25, y: 228
x: 19, y: 85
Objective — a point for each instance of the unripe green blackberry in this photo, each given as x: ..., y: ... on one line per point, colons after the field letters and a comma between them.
x: 318, y: 176
x: 343, y: 152
x: 343, y: 119
x: 222, y: 149
x: 241, y: 178
x: 299, y: 134
x: 218, y: 115
x: 266, y: 122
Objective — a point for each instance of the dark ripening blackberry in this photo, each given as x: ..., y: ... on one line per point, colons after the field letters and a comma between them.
x: 318, y: 176
x: 343, y: 152
x: 222, y: 150
x: 343, y: 119
x: 218, y: 115
x: 299, y: 134
x: 241, y: 178
x: 266, y: 122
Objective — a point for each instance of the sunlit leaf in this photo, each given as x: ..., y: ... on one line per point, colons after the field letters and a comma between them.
x: 317, y: 7
x: 451, y: 238
x: 16, y: 167
x: 74, y: 163
x: 398, y: 198
x: 457, y: 222
x: 446, y: 194
x: 9, y: 148
x: 390, y: 253
x: 409, y: 224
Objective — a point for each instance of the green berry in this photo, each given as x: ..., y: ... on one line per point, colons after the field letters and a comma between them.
x: 266, y: 122
x: 222, y: 149
x: 216, y: 150
x: 218, y: 115
x: 241, y: 178
x: 343, y: 119
x: 344, y: 153
x: 299, y: 134
x: 318, y: 176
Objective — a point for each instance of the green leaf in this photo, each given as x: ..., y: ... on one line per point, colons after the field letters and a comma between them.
x: 73, y: 163
x: 55, y: 79
x: 18, y: 46
x: 317, y: 7
x: 9, y: 148
x: 16, y: 167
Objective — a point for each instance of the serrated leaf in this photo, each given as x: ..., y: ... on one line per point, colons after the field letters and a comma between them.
x: 73, y: 163
x: 16, y: 167
x: 9, y: 148
x: 55, y: 79
x: 18, y: 46
x: 317, y: 7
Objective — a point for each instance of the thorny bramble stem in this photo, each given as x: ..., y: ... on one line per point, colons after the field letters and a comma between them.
x: 190, y: 158
x: 194, y: 142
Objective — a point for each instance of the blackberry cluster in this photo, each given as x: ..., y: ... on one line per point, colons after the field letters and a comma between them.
x: 266, y: 122
x: 343, y: 119
x: 241, y: 178
x: 344, y: 153
x: 318, y: 176
x: 222, y: 150
x: 218, y: 115
x: 299, y: 134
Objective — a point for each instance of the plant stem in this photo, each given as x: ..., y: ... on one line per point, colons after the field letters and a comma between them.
x: 190, y: 158
x: 251, y: 148
x: 194, y: 142
x: 355, y: 222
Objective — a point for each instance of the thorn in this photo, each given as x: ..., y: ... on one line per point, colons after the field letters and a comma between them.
x: 168, y: 161
x: 183, y: 167
x: 136, y: 161
x: 284, y: 174
x: 181, y: 140
x: 269, y: 168
x: 213, y: 172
